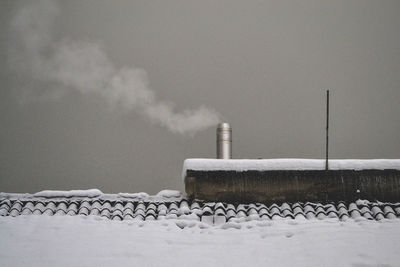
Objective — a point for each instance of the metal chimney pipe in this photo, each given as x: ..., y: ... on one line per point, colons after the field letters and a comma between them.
x: 224, y: 141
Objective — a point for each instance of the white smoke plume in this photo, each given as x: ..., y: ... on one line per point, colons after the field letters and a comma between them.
x: 84, y: 67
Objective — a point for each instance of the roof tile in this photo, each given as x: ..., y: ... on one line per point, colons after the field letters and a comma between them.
x: 214, y: 213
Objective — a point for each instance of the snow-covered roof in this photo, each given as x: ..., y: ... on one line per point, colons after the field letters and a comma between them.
x: 205, y: 164
x: 167, y: 229
x: 171, y: 204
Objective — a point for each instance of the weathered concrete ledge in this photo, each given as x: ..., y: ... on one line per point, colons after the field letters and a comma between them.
x: 267, y: 186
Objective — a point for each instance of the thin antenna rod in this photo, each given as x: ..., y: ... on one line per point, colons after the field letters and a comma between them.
x: 327, y: 131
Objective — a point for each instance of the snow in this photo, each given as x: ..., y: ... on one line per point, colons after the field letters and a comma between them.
x: 140, y: 195
x: 71, y: 193
x: 92, y: 241
x: 287, y: 164
x: 166, y: 193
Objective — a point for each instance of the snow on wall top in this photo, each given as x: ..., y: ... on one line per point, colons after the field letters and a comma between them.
x: 70, y: 193
x: 202, y: 164
x: 163, y: 195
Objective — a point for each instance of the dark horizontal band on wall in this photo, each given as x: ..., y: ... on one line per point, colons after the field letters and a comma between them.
x: 293, y: 185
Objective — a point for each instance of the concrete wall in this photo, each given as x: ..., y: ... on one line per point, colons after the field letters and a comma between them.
x: 291, y: 186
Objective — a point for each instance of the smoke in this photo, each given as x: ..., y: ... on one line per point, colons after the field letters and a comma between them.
x: 64, y: 65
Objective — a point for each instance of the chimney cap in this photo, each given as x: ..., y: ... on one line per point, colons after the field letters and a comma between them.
x: 224, y: 125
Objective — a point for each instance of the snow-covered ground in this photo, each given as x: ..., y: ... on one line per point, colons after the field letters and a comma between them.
x: 93, y: 241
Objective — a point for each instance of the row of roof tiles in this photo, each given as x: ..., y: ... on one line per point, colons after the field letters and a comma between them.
x: 141, y: 210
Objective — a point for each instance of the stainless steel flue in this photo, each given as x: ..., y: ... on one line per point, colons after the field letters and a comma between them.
x: 224, y: 141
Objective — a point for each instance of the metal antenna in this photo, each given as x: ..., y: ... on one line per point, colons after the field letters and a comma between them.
x: 327, y: 131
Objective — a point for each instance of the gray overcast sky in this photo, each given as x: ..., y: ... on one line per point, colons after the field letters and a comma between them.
x: 262, y: 65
